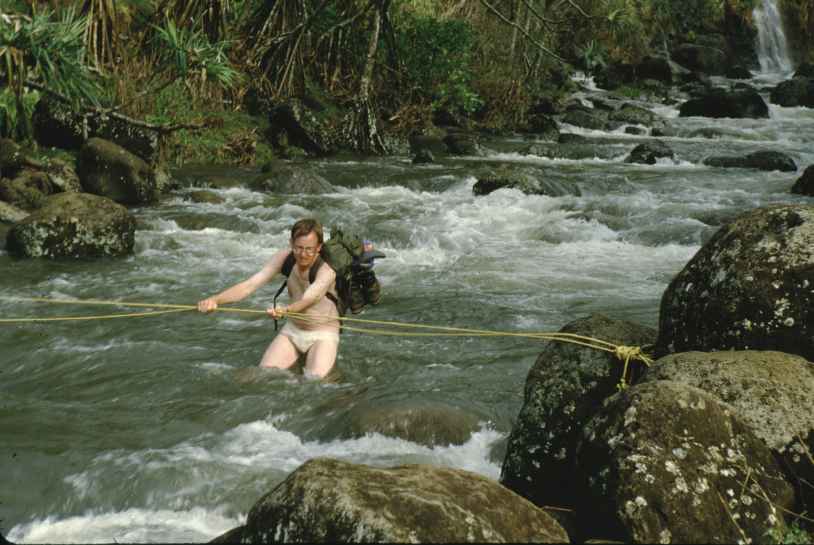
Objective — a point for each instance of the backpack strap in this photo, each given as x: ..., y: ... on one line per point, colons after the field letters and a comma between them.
x: 288, y: 266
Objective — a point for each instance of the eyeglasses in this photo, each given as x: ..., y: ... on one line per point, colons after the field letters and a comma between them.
x: 306, y: 250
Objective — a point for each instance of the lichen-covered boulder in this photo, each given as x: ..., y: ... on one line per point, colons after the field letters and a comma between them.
x: 287, y: 178
x: 717, y: 102
x: 629, y: 113
x: 665, y: 462
x: 58, y: 125
x: 331, y: 501
x: 109, y: 170
x: 773, y: 392
x: 10, y: 213
x: 564, y: 389
x: 529, y: 180
x: 28, y: 190
x: 589, y: 118
x: 805, y: 183
x: 425, y: 423
x: 74, y: 225
x: 648, y: 153
x: 760, y: 160
x: 751, y: 286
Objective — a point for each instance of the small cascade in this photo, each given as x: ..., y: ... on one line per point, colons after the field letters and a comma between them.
x: 773, y: 53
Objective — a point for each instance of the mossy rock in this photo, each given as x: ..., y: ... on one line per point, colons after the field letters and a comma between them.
x: 331, y: 501
x: 74, y: 225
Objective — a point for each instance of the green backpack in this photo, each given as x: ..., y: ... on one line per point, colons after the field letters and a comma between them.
x: 340, y: 253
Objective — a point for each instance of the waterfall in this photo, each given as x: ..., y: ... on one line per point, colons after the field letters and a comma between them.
x: 773, y: 53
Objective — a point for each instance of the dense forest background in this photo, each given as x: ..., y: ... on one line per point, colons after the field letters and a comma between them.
x: 199, y: 70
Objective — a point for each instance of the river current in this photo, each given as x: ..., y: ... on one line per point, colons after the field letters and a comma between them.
x: 141, y: 430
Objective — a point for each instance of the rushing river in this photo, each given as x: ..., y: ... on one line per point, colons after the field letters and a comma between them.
x: 142, y: 429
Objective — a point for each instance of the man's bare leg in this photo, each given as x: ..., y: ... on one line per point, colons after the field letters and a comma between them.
x: 321, y: 358
x: 281, y: 354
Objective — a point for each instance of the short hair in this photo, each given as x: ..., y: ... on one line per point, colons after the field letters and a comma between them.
x: 306, y: 226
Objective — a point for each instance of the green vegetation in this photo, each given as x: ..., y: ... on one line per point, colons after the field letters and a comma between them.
x: 793, y: 534
x: 395, y: 62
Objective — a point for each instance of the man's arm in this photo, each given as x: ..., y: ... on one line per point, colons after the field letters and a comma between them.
x: 241, y: 290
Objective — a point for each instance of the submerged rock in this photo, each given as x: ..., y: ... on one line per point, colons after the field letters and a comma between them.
x: 293, y: 179
x: 749, y: 287
x: 760, y: 160
x: 331, y: 501
x: 428, y: 424
x: 529, y: 180
x: 665, y: 462
x: 772, y: 392
x: 650, y: 152
x: 109, y: 170
x: 564, y: 389
x: 74, y: 225
x: 805, y: 183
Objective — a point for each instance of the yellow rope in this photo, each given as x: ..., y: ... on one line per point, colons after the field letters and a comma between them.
x: 623, y: 353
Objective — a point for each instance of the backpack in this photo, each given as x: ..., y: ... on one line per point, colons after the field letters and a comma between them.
x: 340, y: 253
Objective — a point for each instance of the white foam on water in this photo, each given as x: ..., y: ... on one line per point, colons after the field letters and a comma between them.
x: 515, y: 157
x: 129, y: 526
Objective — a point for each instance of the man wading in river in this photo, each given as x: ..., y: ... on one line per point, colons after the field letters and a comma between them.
x: 318, y: 339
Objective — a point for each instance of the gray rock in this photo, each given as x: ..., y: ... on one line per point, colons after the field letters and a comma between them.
x: 798, y: 91
x: 423, y: 157
x: 586, y: 118
x: 74, y: 225
x: 650, y: 152
x: 760, y: 160
x: 772, y: 392
x: 428, y: 142
x: 305, y: 125
x: 206, y: 197
x: 327, y: 500
x: 109, y: 170
x: 529, y: 180
x: 459, y: 143
x: 564, y: 389
x: 751, y: 286
x: 543, y: 126
x: 634, y: 115
x: 700, y: 58
x: 805, y: 183
x: 292, y: 179
x: 665, y: 462
x: 425, y: 423
x: 10, y: 213
x: 716, y: 102
x: 28, y: 190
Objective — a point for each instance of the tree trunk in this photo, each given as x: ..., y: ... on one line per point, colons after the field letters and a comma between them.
x: 362, y: 125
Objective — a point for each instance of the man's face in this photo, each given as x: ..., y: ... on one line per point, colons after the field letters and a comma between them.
x: 306, y: 249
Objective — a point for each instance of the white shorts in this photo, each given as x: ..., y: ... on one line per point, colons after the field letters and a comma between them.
x: 303, y: 339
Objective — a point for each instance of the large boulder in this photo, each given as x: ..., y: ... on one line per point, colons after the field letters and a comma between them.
x: 805, y: 183
x: 109, y: 170
x: 772, y: 392
x: 634, y: 115
x: 10, y: 213
x: 543, y: 126
x: 57, y: 125
x: 589, y: 118
x: 760, y: 160
x: 74, y: 225
x: 717, y: 102
x: 649, y: 153
x: 28, y: 190
x: 331, y: 501
x: 794, y: 92
x: 462, y: 143
x: 529, y: 180
x: 701, y: 58
x: 665, y: 462
x: 564, y: 389
x: 288, y: 178
x: 751, y: 286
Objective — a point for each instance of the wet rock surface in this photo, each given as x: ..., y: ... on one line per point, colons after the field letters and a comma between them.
x: 564, y: 389
x: 328, y: 500
x: 665, y: 462
x: 74, y: 225
x: 750, y: 287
